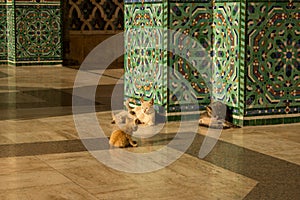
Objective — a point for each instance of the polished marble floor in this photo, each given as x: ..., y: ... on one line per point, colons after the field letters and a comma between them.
x: 43, y: 151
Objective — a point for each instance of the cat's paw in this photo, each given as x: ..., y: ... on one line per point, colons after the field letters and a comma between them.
x: 151, y: 124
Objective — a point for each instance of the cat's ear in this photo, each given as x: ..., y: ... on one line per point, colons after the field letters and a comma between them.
x: 152, y: 101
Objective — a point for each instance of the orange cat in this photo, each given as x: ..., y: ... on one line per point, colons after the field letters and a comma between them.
x: 122, y: 137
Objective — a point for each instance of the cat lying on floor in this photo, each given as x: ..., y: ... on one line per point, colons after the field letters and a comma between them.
x: 120, y: 117
x: 145, y: 113
x: 122, y: 136
x: 216, y: 116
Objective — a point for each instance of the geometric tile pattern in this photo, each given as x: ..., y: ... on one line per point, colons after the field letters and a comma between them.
x: 273, y: 58
x: 194, y: 21
x: 11, y: 30
x: 144, y: 74
x: 39, y: 33
x: 34, y: 33
x: 254, y: 45
x: 3, y: 34
x: 90, y: 15
x: 226, y: 47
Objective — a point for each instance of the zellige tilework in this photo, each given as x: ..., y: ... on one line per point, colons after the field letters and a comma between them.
x: 3, y: 35
x: 254, y: 46
x: 34, y: 32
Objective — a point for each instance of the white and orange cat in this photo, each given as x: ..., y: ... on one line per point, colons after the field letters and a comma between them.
x: 122, y: 136
x: 145, y: 113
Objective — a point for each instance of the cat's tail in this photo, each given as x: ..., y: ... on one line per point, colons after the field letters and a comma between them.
x: 133, y: 143
x: 228, y: 124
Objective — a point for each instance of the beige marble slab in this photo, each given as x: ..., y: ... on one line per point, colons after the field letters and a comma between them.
x: 186, y: 175
x: 182, y: 180
x: 37, y: 130
x: 25, y: 164
x: 5, y: 140
x: 280, y: 141
x: 21, y: 126
x: 69, y: 160
x: 67, y: 191
x: 40, y: 136
x: 26, y: 172
x: 44, y: 77
x: 31, y: 179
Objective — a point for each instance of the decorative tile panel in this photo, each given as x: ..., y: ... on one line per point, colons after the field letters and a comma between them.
x: 227, y: 53
x: 193, y: 20
x: 3, y: 34
x: 273, y: 58
x: 38, y: 35
x: 11, y: 54
x: 144, y: 71
x: 33, y: 32
x: 254, y: 45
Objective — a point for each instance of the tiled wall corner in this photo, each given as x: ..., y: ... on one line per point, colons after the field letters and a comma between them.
x: 189, y: 20
x: 227, y: 51
x: 254, y: 45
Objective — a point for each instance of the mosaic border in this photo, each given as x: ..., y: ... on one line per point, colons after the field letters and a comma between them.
x: 271, y: 121
x: 273, y: 111
x: 250, y: 121
x: 32, y: 63
x: 242, y: 63
x: 142, y: 1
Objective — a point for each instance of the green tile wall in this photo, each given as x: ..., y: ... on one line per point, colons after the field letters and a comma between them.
x: 3, y: 38
x: 255, y: 48
x: 33, y: 32
x: 194, y: 20
x: 11, y: 54
x: 273, y: 57
x: 144, y: 71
